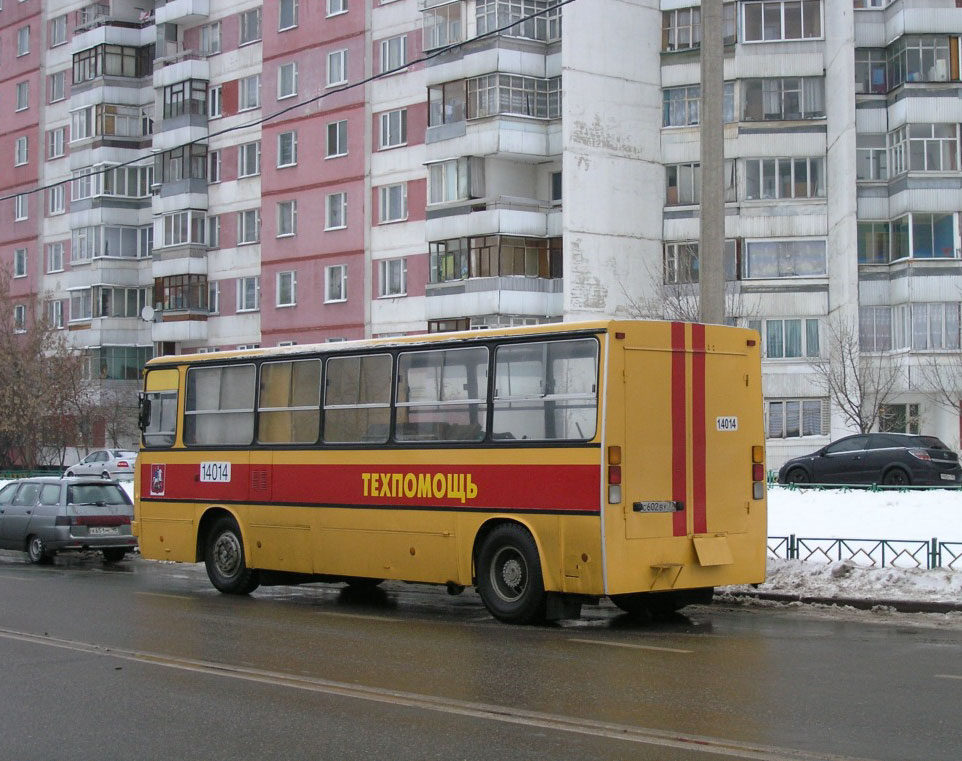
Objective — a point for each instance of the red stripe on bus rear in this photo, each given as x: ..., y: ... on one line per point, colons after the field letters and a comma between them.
x: 699, y: 432
x: 679, y: 464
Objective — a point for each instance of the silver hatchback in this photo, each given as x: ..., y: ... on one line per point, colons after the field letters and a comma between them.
x: 43, y: 516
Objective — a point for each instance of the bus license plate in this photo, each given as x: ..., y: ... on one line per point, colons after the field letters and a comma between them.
x: 215, y: 472
x: 102, y: 530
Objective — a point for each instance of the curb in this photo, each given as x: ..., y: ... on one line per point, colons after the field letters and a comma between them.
x: 862, y: 603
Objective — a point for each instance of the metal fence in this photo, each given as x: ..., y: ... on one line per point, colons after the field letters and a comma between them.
x: 877, y: 553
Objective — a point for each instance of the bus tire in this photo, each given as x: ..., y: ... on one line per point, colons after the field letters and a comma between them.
x: 509, y: 576
x: 224, y: 558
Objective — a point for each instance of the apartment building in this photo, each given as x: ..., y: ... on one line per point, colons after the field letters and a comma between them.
x: 298, y: 172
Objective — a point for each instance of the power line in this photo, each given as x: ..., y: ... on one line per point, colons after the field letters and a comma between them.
x: 300, y: 104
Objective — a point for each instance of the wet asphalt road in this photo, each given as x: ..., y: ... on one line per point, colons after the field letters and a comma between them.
x: 145, y: 660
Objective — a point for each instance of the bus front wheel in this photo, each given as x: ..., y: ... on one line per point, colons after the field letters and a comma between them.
x: 509, y: 576
x: 224, y: 558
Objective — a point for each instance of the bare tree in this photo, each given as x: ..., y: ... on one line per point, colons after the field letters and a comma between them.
x: 859, y: 384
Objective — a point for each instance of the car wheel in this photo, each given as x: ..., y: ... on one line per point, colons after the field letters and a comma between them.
x: 114, y: 554
x: 68, y: 474
x: 797, y: 476
x: 509, y: 576
x: 37, y: 550
x: 105, y: 475
x: 224, y: 558
x: 896, y: 477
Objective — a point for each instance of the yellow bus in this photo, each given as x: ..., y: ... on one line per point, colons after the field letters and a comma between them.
x: 548, y: 466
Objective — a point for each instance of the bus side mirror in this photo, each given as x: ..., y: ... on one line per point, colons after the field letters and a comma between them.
x: 143, y: 417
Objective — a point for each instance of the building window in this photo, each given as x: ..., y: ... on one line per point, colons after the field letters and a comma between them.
x: 20, y: 262
x: 784, y: 178
x: 117, y: 301
x: 20, y: 318
x: 788, y: 339
x: 187, y: 97
x: 394, y: 128
x: 248, y: 226
x: 393, y: 205
x: 335, y: 283
x: 335, y: 7
x: 870, y: 71
x: 441, y: 25
x: 286, y: 218
x: 55, y: 257
x: 286, y: 149
x: 249, y: 93
x: 21, y: 209
x: 248, y: 294
x: 335, y: 216
x: 182, y: 292
x: 784, y: 258
x: 113, y: 61
x: 249, y: 159
x: 23, y: 96
x: 923, y: 236
x: 23, y: 41
x: 250, y: 26
x: 919, y: 59
x: 55, y: 143
x: 446, y: 103
x: 55, y: 200
x: 394, y: 53
x: 286, y: 289
x: 57, y: 87
x: 215, y: 102
x: 392, y: 277
x: 495, y: 256
x: 81, y: 304
x: 210, y: 38
x: 213, y: 167
x: 899, y: 418
x: 286, y: 15
x: 769, y: 20
x: 336, y: 139
x: 875, y: 328
x: 213, y: 296
x: 792, y: 418
x: 58, y: 31
x: 213, y: 231
x: 187, y: 162
x: 681, y: 262
x: 683, y: 183
x: 871, y: 162
x: 492, y: 94
x: 873, y: 242
x: 287, y: 80
x: 494, y: 14
x: 184, y: 227
x: 337, y: 68
x: 55, y: 314
x: 786, y: 98
x: 928, y: 326
x: 556, y: 187
x: 681, y: 105
x: 924, y: 148
x: 455, y: 180
x: 20, y: 156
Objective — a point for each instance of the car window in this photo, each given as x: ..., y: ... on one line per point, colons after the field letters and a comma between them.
x: 881, y: 441
x: 50, y: 494
x: 851, y: 444
x: 93, y: 494
x: 6, y: 495
x: 27, y: 495
x: 930, y: 442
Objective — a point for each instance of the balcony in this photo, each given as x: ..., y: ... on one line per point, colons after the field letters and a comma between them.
x: 473, y: 297
x: 187, y: 12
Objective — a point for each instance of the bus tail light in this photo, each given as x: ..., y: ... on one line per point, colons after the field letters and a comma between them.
x: 614, y: 475
x: 758, y: 472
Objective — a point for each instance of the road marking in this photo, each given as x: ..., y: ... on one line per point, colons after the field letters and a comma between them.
x: 633, y: 646
x: 948, y: 676
x: 164, y: 594
x: 505, y: 714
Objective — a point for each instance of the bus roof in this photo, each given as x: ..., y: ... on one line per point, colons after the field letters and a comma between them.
x: 422, y: 338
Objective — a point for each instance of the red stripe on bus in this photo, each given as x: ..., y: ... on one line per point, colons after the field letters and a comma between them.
x: 679, y: 465
x: 572, y: 488
x: 699, y: 432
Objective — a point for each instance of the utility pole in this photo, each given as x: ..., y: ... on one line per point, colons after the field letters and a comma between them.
x: 711, y: 243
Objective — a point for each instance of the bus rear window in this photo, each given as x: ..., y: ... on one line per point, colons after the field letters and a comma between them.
x: 219, y: 407
x: 546, y: 390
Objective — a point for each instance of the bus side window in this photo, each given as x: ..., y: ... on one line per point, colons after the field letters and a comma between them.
x: 442, y: 395
x: 546, y: 390
x: 357, y: 399
x: 288, y: 404
x: 219, y: 407
x: 161, y: 428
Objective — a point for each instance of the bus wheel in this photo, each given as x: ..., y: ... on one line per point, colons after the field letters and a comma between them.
x: 509, y: 576
x: 224, y: 558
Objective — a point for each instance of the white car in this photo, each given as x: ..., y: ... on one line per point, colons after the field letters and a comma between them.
x: 106, y: 463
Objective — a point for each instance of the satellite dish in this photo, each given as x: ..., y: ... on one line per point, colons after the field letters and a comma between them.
x: 147, y: 313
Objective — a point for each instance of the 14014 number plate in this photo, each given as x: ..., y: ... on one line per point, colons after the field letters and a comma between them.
x: 215, y: 472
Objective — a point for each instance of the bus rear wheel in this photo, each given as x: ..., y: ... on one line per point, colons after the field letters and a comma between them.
x: 224, y: 558
x: 509, y: 576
